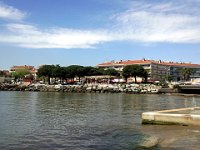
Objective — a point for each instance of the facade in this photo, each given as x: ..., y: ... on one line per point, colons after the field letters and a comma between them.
x: 157, y: 70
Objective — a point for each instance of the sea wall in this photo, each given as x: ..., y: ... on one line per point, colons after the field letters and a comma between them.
x: 100, y: 88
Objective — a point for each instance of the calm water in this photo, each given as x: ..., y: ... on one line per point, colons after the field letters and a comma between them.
x: 31, y: 120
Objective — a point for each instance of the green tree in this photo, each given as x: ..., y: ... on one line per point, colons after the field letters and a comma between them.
x: 168, y: 78
x: 144, y: 74
x: 71, y: 71
x: 92, y: 71
x: 63, y: 73
x: 185, y: 73
x: 46, y: 71
x: 57, y: 72
x: 79, y: 71
x: 134, y: 71
x: 1, y: 73
x: 111, y: 72
x: 20, y: 74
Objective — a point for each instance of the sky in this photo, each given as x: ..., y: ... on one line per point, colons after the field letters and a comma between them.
x: 89, y: 32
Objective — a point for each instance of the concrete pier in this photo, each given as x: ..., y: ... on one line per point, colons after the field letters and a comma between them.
x: 182, y: 116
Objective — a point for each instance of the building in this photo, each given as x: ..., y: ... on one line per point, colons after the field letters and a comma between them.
x: 157, y: 70
x: 31, y: 69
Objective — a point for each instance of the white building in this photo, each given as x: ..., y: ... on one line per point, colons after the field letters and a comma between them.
x: 157, y: 70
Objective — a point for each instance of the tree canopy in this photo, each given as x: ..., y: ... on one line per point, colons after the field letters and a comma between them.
x: 1, y: 73
x: 46, y: 71
x: 134, y: 71
x: 111, y: 72
x: 72, y: 71
x: 185, y: 73
x: 20, y: 73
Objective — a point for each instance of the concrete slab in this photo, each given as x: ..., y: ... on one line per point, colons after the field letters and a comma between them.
x: 182, y: 116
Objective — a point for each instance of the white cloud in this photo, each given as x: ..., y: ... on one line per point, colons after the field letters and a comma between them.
x: 163, y: 22
x: 11, y: 13
x: 31, y: 37
x: 173, y: 22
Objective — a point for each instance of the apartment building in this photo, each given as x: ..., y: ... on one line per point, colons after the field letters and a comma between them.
x: 157, y: 70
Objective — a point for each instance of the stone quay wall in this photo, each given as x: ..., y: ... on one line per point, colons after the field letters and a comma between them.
x: 90, y: 88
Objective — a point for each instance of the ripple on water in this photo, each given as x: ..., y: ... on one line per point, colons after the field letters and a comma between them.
x: 31, y: 120
x: 88, y: 138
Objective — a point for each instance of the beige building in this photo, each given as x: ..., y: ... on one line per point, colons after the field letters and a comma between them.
x: 31, y: 69
x: 157, y: 70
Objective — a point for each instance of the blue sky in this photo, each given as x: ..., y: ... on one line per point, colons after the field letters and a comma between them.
x: 88, y: 32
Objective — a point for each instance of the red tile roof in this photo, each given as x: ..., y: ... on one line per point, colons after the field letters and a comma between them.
x: 143, y: 61
x: 22, y: 67
x: 30, y: 68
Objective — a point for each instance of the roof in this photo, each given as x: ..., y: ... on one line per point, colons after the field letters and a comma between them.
x: 144, y: 61
x: 22, y: 67
x: 31, y: 69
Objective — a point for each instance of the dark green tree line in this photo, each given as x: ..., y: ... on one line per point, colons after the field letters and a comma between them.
x: 70, y: 72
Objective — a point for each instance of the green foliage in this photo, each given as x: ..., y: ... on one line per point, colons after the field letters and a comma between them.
x: 75, y: 71
x: 46, y: 71
x: 111, y: 72
x: 169, y: 78
x: 185, y: 72
x: 70, y: 72
x: 91, y: 71
x: 56, y: 71
x: 20, y: 73
x: 1, y: 73
x: 134, y: 71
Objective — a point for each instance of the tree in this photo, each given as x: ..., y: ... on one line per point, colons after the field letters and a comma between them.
x: 168, y: 78
x: 91, y: 71
x: 63, y: 73
x: 57, y: 72
x: 20, y: 74
x: 71, y: 72
x: 46, y: 71
x: 111, y: 72
x: 185, y: 73
x: 78, y: 71
x: 1, y: 73
x: 134, y: 71
x: 144, y: 74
